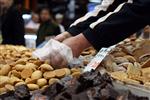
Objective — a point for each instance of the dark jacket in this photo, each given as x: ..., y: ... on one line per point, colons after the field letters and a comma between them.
x: 112, y: 21
x: 13, y: 27
x: 46, y: 29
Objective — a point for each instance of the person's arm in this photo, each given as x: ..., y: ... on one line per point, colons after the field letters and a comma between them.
x: 118, y: 25
x: 101, y: 10
x: 83, y: 23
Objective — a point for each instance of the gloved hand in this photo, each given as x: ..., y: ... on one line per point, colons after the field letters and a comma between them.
x: 77, y: 44
x: 56, y: 53
x: 61, y: 37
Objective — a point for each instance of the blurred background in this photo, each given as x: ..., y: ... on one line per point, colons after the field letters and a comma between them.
x: 36, y: 15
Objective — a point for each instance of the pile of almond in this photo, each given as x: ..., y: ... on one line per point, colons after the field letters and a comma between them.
x: 17, y: 67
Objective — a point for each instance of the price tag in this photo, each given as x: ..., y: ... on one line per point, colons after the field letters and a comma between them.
x: 98, y: 59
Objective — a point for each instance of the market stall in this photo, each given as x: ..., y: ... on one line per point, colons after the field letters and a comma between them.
x: 122, y: 74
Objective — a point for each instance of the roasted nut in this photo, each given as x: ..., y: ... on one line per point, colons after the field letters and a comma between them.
x: 53, y: 80
x: 19, y: 67
x: 1, y: 65
x: 3, y: 90
x: 37, y: 62
x: 36, y: 75
x: 46, y: 67
x: 26, y: 73
x: 21, y: 61
x: 9, y: 87
x: 75, y: 70
x: 16, y: 73
x: 67, y: 71
x: 31, y: 66
x: 60, y: 73
x: 14, y: 80
x: 50, y: 74
x: 44, y: 87
x: 5, y: 70
x: 2, y: 61
x: 30, y: 81
x: 9, y: 61
x: 4, y: 80
x: 76, y: 74
x: 28, y: 54
x: 33, y: 87
x: 20, y: 83
x: 41, y: 82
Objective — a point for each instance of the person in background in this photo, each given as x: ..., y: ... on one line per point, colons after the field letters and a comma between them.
x: 48, y: 27
x: 59, y: 20
x: 34, y: 22
x: 12, y: 23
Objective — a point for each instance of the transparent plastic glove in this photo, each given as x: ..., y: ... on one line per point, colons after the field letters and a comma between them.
x: 56, y: 53
x: 61, y: 37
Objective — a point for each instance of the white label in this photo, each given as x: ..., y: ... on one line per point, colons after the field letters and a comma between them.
x: 98, y: 59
